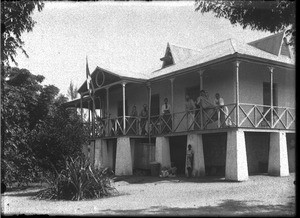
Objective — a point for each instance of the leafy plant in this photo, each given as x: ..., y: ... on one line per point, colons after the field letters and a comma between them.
x: 78, y: 181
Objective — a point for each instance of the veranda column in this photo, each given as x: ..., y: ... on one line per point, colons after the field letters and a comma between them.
x: 196, y: 142
x: 237, y: 88
x: 123, y: 157
x: 236, y: 157
x: 162, y: 151
x: 81, y: 108
x: 172, y: 101
x: 93, y: 115
x: 271, y: 92
x: 201, y: 78
x: 89, y: 104
x: 149, y: 110
x: 124, y: 112
x: 201, y: 88
x: 278, y: 158
x: 107, y: 110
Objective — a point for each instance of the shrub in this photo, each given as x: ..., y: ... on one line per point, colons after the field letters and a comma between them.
x: 80, y: 180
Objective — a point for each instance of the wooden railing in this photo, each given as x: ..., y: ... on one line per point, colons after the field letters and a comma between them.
x: 263, y: 116
x: 250, y: 116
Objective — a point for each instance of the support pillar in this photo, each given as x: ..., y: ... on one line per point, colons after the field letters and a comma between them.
x: 101, y: 155
x: 123, y: 157
x: 162, y: 151
x: 278, y: 158
x: 236, y: 157
x: 196, y: 142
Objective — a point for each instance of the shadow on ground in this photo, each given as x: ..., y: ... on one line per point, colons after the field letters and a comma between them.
x: 226, y: 208
x: 151, y: 179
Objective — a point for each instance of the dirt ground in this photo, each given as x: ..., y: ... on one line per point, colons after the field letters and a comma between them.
x: 260, y: 195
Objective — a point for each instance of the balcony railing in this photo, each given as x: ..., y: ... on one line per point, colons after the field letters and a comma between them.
x: 250, y: 116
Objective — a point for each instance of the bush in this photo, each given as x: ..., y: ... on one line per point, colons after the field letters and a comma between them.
x: 80, y: 180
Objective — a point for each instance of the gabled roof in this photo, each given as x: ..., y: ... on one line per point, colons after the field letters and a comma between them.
x: 219, y: 50
x: 113, y: 76
x: 273, y: 44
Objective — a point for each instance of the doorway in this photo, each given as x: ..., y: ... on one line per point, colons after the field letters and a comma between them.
x: 214, y: 148
x: 178, y: 153
x: 257, y: 148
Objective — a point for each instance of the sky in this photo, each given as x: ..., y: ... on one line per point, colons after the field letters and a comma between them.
x: 121, y: 36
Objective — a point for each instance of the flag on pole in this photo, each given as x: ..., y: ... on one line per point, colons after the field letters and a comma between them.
x: 89, y: 82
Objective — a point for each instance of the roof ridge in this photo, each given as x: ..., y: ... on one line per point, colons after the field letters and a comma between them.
x: 180, y: 46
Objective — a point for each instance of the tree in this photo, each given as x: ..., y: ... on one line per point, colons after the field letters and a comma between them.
x: 72, y: 91
x: 37, y: 130
x: 60, y: 135
x: 22, y: 94
x: 263, y: 15
x: 16, y: 19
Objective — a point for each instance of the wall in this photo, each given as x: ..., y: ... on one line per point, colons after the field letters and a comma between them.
x: 251, y: 84
x: 136, y: 94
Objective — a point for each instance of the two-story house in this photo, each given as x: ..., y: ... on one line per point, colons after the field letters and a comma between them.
x: 249, y: 132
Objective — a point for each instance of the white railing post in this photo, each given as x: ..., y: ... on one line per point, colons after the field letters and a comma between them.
x: 124, y: 109
x: 237, y: 65
x: 271, y: 92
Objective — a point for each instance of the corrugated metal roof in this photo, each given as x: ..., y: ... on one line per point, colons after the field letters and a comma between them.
x: 185, y: 57
x: 180, y: 53
x: 219, y: 50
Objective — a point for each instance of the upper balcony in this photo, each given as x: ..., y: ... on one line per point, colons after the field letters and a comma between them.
x: 250, y: 116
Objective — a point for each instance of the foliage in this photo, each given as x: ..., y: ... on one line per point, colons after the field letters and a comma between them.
x: 72, y: 91
x: 60, y: 134
x: 78, y: 181
x: 21, y: 94
x: 36, y: 130
x: 16, y: 19
x: 270, y: 16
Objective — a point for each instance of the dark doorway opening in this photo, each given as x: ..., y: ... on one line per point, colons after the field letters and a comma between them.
x: 178, y: 153
x: 214, y: 148
x: 291, y: 149
x: 154, y: 109
x: 257, y: 148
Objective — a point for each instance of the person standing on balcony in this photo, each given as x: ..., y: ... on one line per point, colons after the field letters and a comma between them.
x: 222, y: 111
x: 133, y: 126
x: 189, y: 160
x: 209, y: 109
x: 190, y: 107
x: 166, y: 112
x: 144, y: 117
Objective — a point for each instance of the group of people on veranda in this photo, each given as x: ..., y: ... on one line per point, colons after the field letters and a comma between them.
x: 211, y: 112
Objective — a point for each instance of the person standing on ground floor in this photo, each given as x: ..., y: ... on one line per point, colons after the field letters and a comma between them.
x: 189, y: 160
